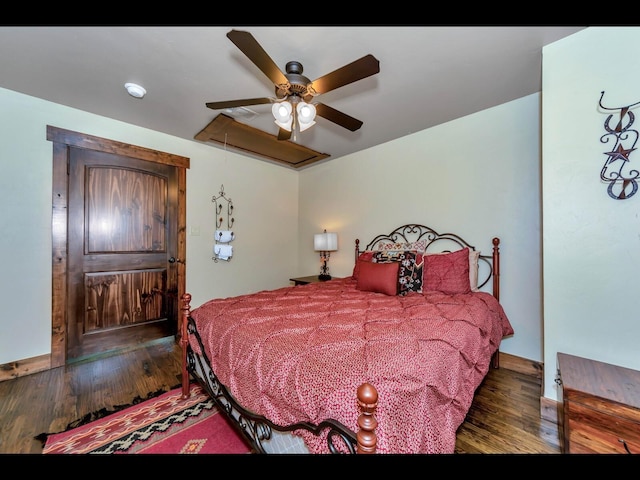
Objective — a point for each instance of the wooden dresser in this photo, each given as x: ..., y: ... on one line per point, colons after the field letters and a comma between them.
x: 601, y: 406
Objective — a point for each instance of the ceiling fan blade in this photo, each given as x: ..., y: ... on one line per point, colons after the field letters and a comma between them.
x: 238, y: 103
x: 354, y: 71
x: 252, y: 49
x: 284, y: 134
x: 337, y: 117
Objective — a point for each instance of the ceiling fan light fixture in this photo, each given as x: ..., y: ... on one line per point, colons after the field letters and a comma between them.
x: 285, y: 125
x: 306, y: 115
x: 282, y: 114
x: 304, y: 126
x: 292, y: 87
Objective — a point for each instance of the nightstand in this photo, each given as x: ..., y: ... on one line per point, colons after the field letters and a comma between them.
x: 305, y: 280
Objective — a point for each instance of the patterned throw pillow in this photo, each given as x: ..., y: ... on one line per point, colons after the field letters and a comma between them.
x: 419, y: 245
x: 447, y: 273
x: 410, y: 268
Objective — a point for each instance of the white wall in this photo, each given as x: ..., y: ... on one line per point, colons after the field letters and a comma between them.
x: 591, y: 242
x: 478, y: 177
x: 265, y: 198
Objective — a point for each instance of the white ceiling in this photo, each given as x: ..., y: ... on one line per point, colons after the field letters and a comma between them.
x: 429, y: 75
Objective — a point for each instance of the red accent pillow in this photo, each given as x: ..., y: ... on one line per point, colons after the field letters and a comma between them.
x: 447, y: 273
x: 366, y: 256
x: 378, y: 277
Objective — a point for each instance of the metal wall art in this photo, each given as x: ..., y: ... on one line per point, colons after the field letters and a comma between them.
x: 221, y: 248
x: 616, y: 171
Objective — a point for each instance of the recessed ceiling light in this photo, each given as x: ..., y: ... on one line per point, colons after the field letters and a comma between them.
x: 135, y: 90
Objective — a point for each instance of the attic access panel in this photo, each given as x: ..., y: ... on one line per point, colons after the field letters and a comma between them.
x: 256, y: 142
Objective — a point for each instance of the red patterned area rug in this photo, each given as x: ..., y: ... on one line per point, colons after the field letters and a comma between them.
x: 166, y: 424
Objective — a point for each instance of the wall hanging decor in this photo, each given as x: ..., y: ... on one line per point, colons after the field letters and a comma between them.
x: 617, y: 171
x: 221, y: 248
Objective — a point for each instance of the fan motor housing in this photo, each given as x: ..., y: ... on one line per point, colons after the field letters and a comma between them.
x: 298, y: 82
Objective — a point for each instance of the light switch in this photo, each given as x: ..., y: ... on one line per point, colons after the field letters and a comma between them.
x: 195, y: 231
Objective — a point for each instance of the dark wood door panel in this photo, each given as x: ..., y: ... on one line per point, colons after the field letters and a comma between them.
x: 126, y: 210
x: 120, y: 299
x: 122, y: 232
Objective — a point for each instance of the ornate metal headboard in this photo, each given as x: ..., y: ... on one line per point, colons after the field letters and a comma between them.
x: 488, y: 265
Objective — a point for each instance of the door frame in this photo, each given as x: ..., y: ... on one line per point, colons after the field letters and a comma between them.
x: 63, y: 140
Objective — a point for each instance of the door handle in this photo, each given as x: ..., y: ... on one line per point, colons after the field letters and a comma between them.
x: 174, y: 260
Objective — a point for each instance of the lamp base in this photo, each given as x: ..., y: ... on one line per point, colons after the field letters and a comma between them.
x: 323, y: 277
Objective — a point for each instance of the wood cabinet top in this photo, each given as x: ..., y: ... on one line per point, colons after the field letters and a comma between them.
x: 604, y: 380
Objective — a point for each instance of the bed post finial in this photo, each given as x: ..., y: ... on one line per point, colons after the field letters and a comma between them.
x: 366, y: 436
x: 186, y: 311
x: 496, y: 268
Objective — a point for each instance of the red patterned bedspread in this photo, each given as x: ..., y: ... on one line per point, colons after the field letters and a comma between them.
x: 299, y: 354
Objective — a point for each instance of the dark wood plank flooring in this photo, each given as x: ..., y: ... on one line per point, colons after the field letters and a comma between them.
x: 504, y: 417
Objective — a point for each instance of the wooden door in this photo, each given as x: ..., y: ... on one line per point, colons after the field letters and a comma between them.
x: 118, y: 245
x: 122, y: 235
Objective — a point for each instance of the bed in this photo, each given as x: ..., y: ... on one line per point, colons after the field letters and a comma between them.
x: 386, y: 360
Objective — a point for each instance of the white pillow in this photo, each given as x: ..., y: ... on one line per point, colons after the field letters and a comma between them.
x: 473, y: 269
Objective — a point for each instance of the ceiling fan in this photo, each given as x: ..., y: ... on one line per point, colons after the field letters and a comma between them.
x: 295, y: 91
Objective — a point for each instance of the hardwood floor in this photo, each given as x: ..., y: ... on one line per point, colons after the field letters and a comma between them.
x: 504, y: 417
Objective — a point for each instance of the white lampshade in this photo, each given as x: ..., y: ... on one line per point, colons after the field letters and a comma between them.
x: 332, y: 242
x: 282, y: 114
x: 325, y: 242
x: 306, y: 115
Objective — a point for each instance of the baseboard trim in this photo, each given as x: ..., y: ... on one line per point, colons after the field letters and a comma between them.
x: 28, y: 366
x: 549, y: 409
x: 521, y: 365
x: 43, y: 362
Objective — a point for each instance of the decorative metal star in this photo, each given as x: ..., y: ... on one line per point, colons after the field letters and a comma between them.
x: 619, y: 153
